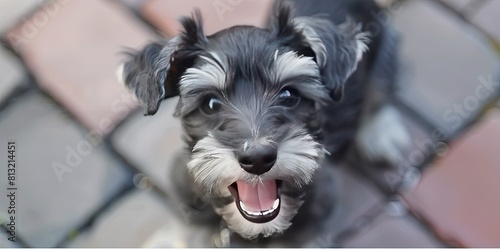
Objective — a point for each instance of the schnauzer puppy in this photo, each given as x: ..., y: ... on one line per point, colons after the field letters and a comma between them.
x: 261, y: 108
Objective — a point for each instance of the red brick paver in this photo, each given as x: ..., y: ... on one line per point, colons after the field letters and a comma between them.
x: 460, y: 196
x: 73, y: 52
x: 217, y: 15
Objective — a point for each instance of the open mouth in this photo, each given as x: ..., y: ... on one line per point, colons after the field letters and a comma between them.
x: 258, y: 203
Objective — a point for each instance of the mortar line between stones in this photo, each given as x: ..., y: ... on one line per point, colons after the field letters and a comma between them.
x: 25, y: 16
x: 130, y: 187
x: 18, y: 91
x: 473, y: 6
x: 453, y: 137
x: 371, y: 214
x: 90, y: 221
x: 467, y: 20
x: 139, y: 18
x: 135, y: 169
x: 19, y: 239
x: 425, y: 224
x: 77, y: 123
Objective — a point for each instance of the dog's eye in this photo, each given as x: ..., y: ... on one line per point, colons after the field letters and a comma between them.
x: 288, y: 98
x: 211, y: 105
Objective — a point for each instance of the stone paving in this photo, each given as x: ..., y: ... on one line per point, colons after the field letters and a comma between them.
x: 394, y: 230
x: 94, y: 172
x: 58, y: 187
x: 12, y: 74
x: 433, y: 88
x: 469, y: 170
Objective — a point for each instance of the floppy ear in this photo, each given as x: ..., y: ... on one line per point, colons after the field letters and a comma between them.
x: 337, y: 49
x: 153, y: 73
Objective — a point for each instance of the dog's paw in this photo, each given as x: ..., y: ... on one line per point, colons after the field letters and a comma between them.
x: 383, y: 137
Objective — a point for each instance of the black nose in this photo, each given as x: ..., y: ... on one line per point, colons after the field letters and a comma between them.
x: 258, y: 159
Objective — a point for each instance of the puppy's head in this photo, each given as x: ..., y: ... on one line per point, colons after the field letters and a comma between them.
x: 248, y: 104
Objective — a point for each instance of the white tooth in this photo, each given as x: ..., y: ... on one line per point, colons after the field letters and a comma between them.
x: 261, y: 213
x: 276, y: 204
x: 268, y: 212
x: 242, y: 205
x: 255, y: 213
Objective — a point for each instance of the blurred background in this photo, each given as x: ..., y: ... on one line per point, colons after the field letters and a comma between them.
x: 92, y: 171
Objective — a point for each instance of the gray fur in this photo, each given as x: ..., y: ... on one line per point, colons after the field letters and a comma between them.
x: 247, y: 69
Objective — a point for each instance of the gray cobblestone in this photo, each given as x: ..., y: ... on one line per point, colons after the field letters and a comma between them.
x: 11, y: 73
x: 13, y: 11
x: 387, y: 231
x: 130, y: 222
x: 61, y: 178
x: 151, y: 143
x: 5, y: 243
x: 445, y: 63
x: 487, y: 18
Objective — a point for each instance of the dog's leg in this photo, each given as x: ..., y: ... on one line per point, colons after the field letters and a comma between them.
x: 383, y: 137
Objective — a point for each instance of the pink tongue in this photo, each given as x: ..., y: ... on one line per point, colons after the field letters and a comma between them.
x: 258, y: 197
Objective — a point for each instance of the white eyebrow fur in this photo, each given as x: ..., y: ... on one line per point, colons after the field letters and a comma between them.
x: 289, y: 65
x: 213, y: 73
